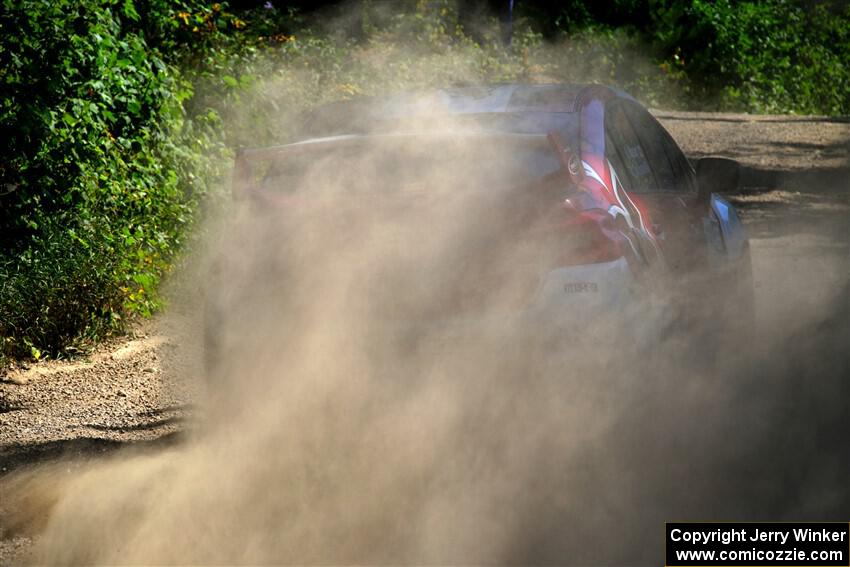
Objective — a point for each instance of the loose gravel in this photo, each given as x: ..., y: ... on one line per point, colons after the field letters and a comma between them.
x: 142, y: 388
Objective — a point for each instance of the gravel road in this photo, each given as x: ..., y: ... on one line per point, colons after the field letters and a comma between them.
x: 140, y: 389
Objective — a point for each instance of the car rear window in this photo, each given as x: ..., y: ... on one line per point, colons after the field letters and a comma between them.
x: 402, y: 163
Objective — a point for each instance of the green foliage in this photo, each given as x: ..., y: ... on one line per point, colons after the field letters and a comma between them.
x: 99, y: 170
x: 259, y: 89
x: 767, y: 56
x: 116, y: 115
x: 745, y: 55
x: 57, y: 295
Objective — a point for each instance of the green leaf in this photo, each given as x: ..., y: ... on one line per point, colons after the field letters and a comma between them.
x: 130, y: 10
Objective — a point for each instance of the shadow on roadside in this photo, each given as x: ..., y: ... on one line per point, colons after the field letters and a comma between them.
x: 16, y: 456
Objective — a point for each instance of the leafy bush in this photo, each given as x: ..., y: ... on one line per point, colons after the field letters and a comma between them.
x: 115, y: 122
x: 767, y: 56
x: 259, y: 89
x: 99, y: 169
x: 57, y: 294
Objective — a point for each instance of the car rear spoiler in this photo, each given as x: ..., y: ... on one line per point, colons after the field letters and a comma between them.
x: 243, y: 183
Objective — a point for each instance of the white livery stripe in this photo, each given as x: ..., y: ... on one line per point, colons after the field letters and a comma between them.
x: 590, y: 172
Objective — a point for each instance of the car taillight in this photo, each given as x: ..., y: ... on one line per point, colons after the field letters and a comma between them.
x: 587, y: 237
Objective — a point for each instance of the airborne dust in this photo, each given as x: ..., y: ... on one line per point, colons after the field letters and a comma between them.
x: 375, y: 400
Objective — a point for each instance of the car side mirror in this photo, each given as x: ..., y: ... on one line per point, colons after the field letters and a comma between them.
x: 716, y: 175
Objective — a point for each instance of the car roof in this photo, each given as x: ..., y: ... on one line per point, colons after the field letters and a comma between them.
x: 511, y: 107
x: 516, y: 98
x: 391, y: 138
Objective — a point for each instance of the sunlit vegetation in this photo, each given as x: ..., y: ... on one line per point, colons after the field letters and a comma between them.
x: 118, y: 117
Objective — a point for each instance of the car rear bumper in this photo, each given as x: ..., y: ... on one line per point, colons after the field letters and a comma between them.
x: 600, y: 302
x: 589, y: 305
x: 576, y: 295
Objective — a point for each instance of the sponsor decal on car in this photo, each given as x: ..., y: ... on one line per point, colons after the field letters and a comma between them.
x: 581, y: 287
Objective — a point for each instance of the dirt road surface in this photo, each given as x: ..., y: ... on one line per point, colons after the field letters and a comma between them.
x: 795, y: 199
x: 141, y: 390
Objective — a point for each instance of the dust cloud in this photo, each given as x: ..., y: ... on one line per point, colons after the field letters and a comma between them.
x: 374, y: 397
